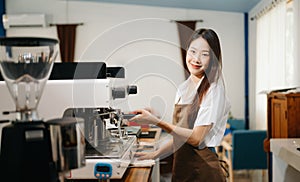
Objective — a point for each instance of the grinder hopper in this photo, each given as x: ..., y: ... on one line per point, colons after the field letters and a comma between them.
x: 26, y: 64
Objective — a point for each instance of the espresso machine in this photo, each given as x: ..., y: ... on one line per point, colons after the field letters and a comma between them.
x: 109, y: 151
x: 33, y: 149
x: 109, y: 145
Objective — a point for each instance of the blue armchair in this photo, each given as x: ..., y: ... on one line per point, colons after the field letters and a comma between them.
x: 245, y: 151
x: 236, y: 124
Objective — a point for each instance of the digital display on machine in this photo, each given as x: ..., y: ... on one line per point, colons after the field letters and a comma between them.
x: 103, y: 168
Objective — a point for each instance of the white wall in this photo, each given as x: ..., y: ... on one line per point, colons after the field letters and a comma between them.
x: 144, y: 41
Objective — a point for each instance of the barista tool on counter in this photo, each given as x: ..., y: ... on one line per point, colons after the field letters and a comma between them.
x: 32, y: 149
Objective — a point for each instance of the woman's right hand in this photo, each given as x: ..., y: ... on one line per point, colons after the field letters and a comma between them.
x: 154, y: 112
x: 144, y: 117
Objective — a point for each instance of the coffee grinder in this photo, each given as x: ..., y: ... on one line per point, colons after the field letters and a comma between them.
x: 32, y: 149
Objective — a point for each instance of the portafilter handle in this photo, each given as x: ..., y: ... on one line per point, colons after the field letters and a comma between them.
x: 128, y: 116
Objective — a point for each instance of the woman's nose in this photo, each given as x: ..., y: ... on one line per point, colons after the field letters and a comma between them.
x: 197, y: 57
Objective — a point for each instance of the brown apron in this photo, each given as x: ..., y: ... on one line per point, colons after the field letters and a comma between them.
x: 190, y: 163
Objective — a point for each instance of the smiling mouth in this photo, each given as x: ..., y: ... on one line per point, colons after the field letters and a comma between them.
x: 196, y: 66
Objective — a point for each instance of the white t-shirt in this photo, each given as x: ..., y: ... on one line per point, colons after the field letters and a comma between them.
x: 214, y: 108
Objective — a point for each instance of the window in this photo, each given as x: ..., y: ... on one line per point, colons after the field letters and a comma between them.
x: 276, y: 65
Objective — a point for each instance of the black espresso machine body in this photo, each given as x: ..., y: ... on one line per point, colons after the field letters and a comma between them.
x: 26, y: 153
x: 38, y: 151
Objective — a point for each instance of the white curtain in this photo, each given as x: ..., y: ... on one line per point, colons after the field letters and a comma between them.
x: 275, y: 56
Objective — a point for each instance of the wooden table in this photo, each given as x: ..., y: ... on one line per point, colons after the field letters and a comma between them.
x: 140, y: 174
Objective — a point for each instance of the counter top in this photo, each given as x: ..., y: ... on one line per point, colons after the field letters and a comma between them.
x: 286, y: 149
x: 142, y: 174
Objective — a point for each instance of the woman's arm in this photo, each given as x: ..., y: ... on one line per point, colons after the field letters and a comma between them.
x: 162, y: 152
x: 192, y: 136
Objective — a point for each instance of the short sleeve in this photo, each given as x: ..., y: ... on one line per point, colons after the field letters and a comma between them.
x: 213, y: 106
x: 177, y: 97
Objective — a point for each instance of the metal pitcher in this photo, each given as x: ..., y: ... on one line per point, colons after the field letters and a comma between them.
x: 68, y: 143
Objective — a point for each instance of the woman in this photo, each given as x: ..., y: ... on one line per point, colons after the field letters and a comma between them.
x: 200, y: 114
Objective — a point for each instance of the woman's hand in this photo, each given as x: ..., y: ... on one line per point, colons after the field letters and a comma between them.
x: 145, y: 155
x: 144, y: 117
x: 154, y: 112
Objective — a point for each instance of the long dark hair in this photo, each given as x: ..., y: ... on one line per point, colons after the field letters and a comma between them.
x: 213, y: 71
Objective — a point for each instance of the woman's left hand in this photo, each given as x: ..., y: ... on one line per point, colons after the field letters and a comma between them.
x: 145, y: 155
x: 144, y: 117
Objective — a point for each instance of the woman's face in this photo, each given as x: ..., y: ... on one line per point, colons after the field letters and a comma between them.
x: 197, y: 57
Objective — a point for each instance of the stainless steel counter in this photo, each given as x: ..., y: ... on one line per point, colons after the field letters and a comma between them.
x: 285, y: 159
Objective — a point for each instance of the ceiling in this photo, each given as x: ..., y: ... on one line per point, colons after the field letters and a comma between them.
x: 217, y: 5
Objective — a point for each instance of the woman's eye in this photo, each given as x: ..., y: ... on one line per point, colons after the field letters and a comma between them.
x: 192, y: 51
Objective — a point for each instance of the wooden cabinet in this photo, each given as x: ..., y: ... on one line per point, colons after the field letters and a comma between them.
x: 278, y: 117
x: 283, y: 119
x: 283, y: 115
